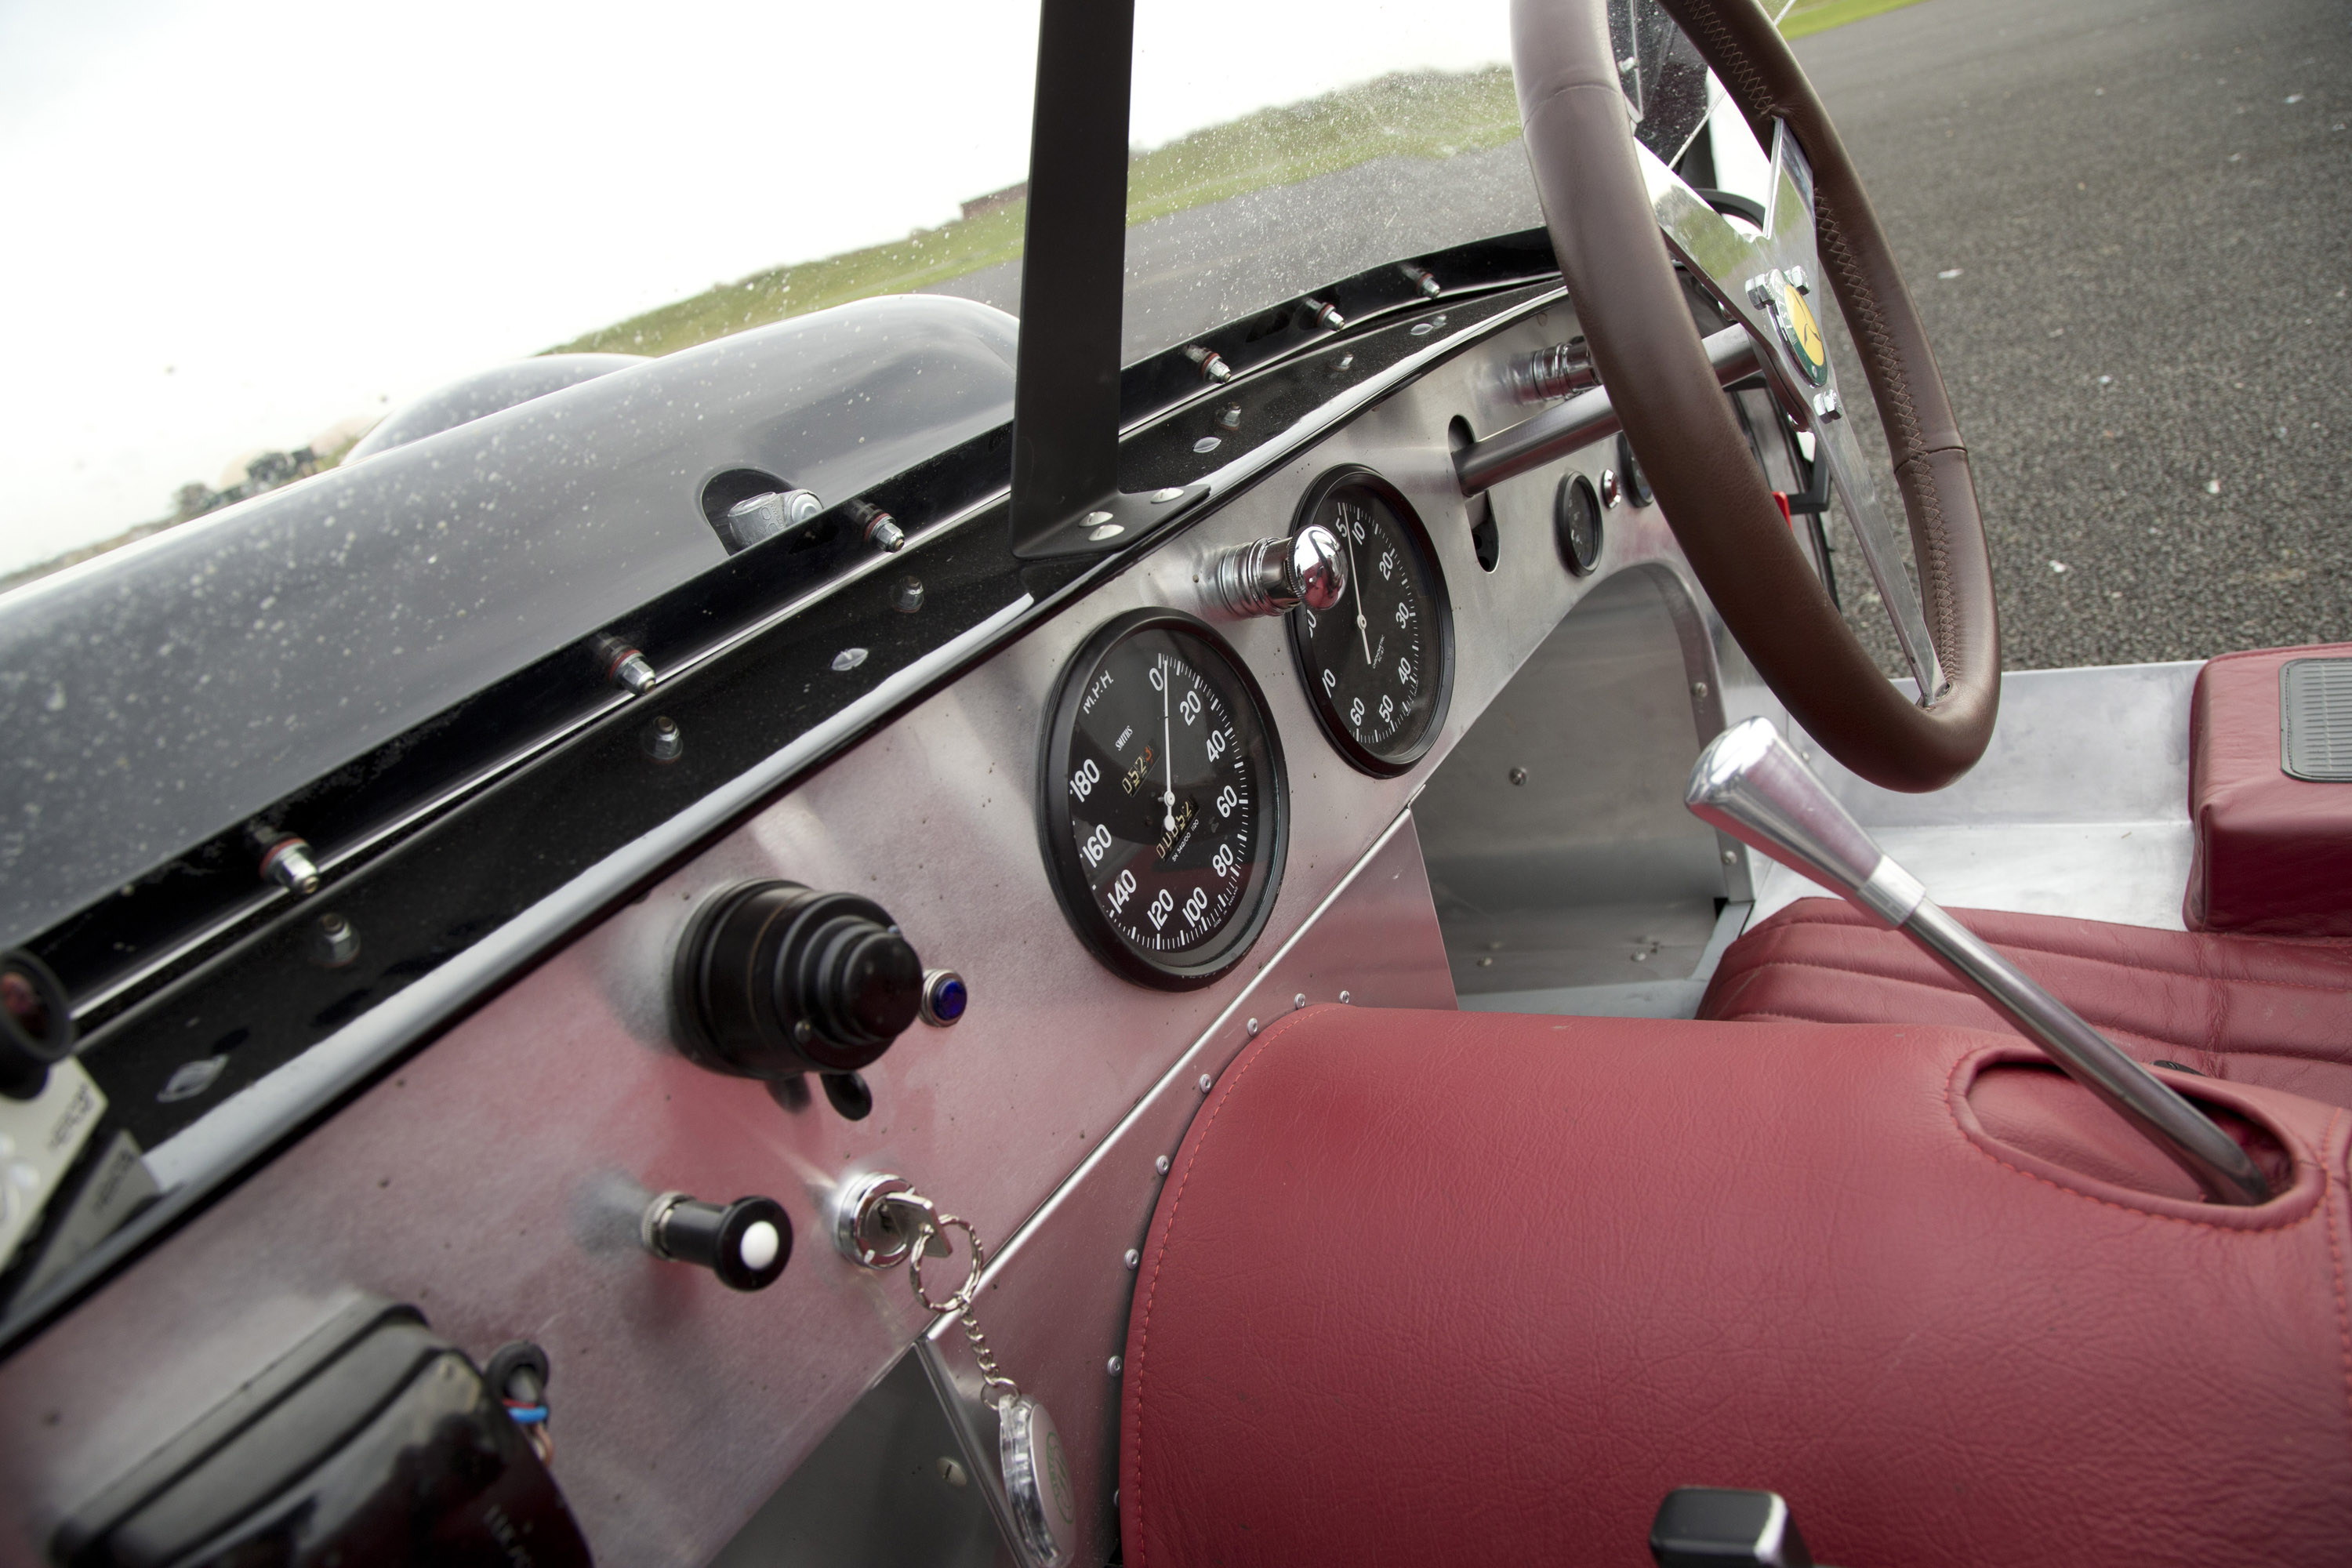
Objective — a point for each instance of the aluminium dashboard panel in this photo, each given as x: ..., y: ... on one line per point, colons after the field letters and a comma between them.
x: 495, y: 1179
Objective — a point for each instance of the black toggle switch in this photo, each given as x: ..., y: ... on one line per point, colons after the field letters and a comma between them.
x: 746, y: 1244
x: 775, y: 979
x: 847, y: 1093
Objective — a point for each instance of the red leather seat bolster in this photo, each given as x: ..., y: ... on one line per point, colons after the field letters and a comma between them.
x: 1441, y: 1288
x: 2271, y: 1012
x: 2274, y: 852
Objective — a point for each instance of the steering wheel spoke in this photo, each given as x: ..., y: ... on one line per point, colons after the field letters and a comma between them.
x: 1833, y: 444
x: 1766, y: 282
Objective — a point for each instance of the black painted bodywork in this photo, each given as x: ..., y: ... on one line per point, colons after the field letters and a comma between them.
x: 166, y: 695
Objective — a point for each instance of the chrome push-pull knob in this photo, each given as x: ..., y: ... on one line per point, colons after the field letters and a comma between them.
x: 1751, y: 786
x: 1271, y: 576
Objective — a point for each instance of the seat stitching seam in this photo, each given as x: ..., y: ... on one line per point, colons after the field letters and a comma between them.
x: 2233, y: 1053
x: 1944, y: 983
x: 2336, y: 1259
x: 1952, y: 1090
x: 2200, y: 972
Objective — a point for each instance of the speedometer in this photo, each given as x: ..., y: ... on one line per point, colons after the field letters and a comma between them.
x: 1378, y: 665
x: 1164, y: 810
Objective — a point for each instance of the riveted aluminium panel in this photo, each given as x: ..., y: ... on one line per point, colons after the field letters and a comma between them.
x: 1053, y: 1304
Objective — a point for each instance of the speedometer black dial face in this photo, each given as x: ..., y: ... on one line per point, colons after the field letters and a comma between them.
x: 1378, y: 664
x: 1165, y: 814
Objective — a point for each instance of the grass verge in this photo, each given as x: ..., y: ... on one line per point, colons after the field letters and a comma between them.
x: 1820, y: 15
x: 1423, y: 114
x: 1411, y: 115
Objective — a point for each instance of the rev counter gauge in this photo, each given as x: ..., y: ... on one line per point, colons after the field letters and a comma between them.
x: 1164, y: 811
x: 1378, y: 664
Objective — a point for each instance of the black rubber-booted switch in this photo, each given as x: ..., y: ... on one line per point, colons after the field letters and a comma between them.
x: 775, y: 978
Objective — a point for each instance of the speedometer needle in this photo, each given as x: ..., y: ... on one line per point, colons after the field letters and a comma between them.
x: 1168, y: 753
x: 1358, y: 585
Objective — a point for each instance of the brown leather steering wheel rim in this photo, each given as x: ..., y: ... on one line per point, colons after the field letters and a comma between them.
x: 1631, y: 309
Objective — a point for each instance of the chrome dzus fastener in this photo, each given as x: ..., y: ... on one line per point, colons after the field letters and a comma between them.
x: 879, y: 528
x: 1272, y: 576
x: 625, y: 667
x: 286, y: 860
x: 1212, y: 365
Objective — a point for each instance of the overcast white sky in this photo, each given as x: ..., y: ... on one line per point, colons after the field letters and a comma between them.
x: 234, y: 222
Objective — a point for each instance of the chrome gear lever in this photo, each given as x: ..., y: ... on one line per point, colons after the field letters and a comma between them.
x: 1751, y: 786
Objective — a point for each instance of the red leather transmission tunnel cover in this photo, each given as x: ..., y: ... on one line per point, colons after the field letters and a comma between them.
x: 1440, y: 1289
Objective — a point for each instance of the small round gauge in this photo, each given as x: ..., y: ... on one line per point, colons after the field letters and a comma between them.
x: 1378, y: 664
x: 1576, y: 522
x: 1164, y: 813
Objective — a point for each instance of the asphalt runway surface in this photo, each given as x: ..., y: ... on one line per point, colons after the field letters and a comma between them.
x: 2149, y: 342
x: 2145, y: 206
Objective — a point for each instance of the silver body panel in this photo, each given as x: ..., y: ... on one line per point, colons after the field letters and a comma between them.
x: 2080, y: 806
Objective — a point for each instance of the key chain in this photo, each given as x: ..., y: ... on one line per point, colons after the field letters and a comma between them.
x: 1039, y: 1498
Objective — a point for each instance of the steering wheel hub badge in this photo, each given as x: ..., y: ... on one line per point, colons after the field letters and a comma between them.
x: 1780, y: 295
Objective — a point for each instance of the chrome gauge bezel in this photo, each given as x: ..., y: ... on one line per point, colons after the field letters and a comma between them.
x: 1423, y: 553
x: 1068, y: 872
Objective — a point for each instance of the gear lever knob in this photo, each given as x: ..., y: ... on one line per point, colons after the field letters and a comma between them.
x: 1751, y: 786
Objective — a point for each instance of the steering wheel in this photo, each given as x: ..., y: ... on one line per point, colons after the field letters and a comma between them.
x: 1618, y: 218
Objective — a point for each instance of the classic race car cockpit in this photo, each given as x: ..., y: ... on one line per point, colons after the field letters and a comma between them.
x: 1321, y: 896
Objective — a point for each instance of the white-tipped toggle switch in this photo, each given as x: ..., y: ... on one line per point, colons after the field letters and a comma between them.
x: 746, y: 1244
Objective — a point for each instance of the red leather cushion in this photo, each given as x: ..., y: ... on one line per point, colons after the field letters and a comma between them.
x: 2272, y: 1012
x: 2274, y: 852
x: 1438, y: 1288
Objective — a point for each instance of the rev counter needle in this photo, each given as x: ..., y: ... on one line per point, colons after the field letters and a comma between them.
x: 1358, y: 585
x: 1168, y: 753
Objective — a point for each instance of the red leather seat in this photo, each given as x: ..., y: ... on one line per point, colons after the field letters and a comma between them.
x: 2268, y: 1011
x: 1439, y: 1289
